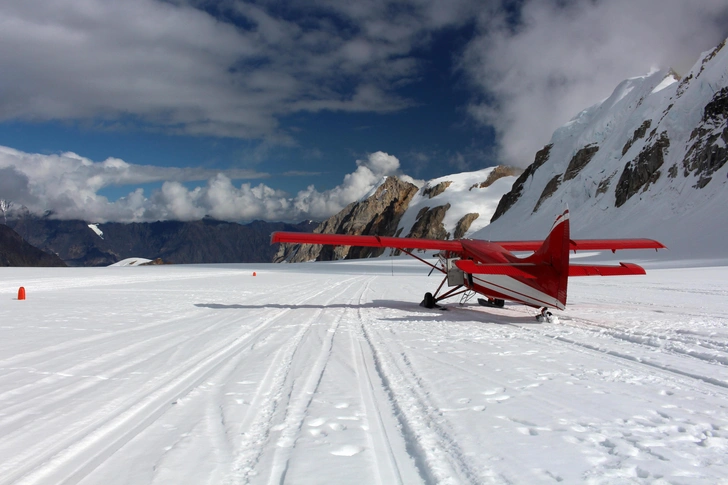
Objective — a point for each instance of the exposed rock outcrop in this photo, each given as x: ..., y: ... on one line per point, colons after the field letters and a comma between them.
x: 434, y: 191
x: 429, y: 223
x: 377, y: 215
x: 643, y: 170
x: 638, y: 134
x: 580, y: 160
x: 709, y: 151
x: 464, y: 224
x: 512, y: 197
x: 604, y: 184
x: 548, y: 191
x: 498, y: 173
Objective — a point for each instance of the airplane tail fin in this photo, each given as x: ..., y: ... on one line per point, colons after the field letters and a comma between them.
x: 552, y: 259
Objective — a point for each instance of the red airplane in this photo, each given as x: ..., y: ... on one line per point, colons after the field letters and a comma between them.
x: 491, y: 269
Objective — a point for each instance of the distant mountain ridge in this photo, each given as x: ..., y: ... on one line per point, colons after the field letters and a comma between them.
x: 16, y: 252
x: 204, y: 241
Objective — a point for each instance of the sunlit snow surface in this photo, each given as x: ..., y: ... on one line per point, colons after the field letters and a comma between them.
x: 332, y: 373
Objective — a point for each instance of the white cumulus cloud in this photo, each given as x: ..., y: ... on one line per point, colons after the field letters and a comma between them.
x: 68, y: 185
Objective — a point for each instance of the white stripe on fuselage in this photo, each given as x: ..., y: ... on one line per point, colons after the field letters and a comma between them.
x: 517, y: 290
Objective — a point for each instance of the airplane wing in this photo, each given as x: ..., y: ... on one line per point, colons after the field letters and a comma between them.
x: 454, y: 245
x: 587, y: 244
x: 594, y: 270
x: 507, y: 269
x: 367, y: 241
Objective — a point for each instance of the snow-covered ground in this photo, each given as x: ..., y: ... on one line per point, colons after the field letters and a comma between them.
x: 131, y: 262
x: 332, y: 373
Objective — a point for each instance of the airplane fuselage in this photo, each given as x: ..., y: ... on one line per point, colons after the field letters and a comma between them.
x: 534, y: 291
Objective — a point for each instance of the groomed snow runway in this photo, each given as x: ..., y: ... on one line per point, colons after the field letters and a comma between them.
x: 332, y: 373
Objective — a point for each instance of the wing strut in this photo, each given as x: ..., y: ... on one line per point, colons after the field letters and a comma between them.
x: 422, y: 260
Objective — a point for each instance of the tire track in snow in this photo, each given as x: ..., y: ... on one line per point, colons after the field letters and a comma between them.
x: 429, y: 440
x: 659, y: 341
x: 80, y: 452
x: 617, y: 336
x: 87, y: 447
x: 273, y: 393
x: 640, y: 361
x: 374, y: 399
x: 56, y: 388
x: 634, y: 360
x: 298, y: 405
x: 144, y: 332
x: 32, y: 390
x: 50, y: 353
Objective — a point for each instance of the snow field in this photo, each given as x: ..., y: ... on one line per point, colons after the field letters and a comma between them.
x: 332, y: 373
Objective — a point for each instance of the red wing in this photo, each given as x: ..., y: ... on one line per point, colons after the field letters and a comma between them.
x: 369, y: 241
x: 506, y: 269
x: 586, y: 244
x: 593, y: 270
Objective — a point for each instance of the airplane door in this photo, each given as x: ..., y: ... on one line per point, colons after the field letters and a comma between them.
x: 455, y: 276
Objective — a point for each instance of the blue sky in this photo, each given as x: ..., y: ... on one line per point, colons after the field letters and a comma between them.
x: 151, y: 109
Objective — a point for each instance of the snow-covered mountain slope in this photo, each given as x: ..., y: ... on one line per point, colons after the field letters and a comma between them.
x: 95, y: 228
x: 649, y: 161
x: 131, y: 262
x: 463, y: 194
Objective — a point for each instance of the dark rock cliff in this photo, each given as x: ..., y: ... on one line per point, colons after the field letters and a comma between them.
x: 512, y: 197
x: 16, y: 252
x: 205, y: 241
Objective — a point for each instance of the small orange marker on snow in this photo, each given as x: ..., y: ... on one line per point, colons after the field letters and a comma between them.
x: 21, y: 293
x: 254, y: 273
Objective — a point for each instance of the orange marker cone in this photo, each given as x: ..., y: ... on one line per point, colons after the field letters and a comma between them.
x: 254, y: 273
x: 21, y: 293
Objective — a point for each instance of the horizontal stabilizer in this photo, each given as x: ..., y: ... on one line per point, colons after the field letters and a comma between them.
x: 587, y: 244
x: 594, y: 270
x: 472, y: 267
x: 367, y: 241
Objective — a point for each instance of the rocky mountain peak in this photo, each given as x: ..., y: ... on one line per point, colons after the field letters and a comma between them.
x: 446, y: 207
x: 379, y: 215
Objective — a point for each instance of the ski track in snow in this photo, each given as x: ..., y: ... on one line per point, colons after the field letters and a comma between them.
x: 305, y: 374
x: 90, y: 441
x: 275, y: 390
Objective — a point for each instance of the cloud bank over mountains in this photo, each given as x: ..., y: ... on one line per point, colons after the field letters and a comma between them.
x: 70, y: 185
x: 562, y: 57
